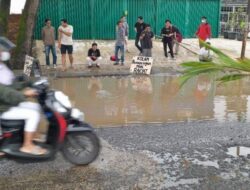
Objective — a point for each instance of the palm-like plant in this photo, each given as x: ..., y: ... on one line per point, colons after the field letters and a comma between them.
x: 232, y: 69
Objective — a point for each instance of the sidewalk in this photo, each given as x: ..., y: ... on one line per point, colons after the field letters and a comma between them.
x: 161, y: 63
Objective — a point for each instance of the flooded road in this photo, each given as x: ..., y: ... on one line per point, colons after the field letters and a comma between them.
x: 196, y: 137
x: 112, y: 101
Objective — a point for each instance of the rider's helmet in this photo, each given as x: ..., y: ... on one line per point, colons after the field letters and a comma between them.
x: 6, y: 44
x: 5, y: 47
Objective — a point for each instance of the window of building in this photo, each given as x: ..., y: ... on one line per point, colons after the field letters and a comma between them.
x: 241, y: 9
x: 227, y: 9
x: 224, y: 17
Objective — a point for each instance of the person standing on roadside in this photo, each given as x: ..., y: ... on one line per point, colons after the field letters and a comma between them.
x: 139, y: 28
x: 204, y: 31
x: 177, y: 40
x: 126, y: 28
x: 65, y: 42
x: 168, y: 33
x: 48, y: 37
x: 146, y: 41
x: 120, y: 43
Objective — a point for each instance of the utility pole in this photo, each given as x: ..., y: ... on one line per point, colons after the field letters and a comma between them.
x: 246, y: 30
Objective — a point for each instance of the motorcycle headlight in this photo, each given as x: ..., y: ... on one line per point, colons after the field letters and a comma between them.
x: 63, y: 99
x: 77, y: 114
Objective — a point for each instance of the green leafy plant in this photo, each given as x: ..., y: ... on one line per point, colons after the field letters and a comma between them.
x: 3, y: 22
x: 242, y: 25
x: 222, y: 64
x: 236, y: 20
x: 232, y: 23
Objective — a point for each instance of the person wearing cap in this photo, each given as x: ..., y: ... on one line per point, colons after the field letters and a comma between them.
x: 204, y: 31
x: 146, y: 41
x: 48, y: 37
x: 94, y: 56
x: 65, y: 42
x: 13, y: 103
x: 205, y: 54
x: 139, y: 28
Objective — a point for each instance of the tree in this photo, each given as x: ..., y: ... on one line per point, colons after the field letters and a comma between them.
x: 4, y: 13
x: 244, y: 41
x: 25, y: 34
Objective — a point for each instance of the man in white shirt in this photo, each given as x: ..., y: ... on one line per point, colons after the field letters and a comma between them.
x: 65, y: 42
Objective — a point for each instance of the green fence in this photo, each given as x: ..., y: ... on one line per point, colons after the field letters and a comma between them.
x: 96, y: 19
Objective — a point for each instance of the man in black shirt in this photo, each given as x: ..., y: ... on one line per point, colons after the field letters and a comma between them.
x: 146, y: 41
x: 139, y: 28
x: 169, y: 34
x: 94, y: 56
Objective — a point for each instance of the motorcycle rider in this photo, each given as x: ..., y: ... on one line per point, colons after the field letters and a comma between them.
x: 13, y: 103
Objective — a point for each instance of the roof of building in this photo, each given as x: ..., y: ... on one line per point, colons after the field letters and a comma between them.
x: 234, y: 2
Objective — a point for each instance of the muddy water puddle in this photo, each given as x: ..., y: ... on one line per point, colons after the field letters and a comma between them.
x: 111, y: 101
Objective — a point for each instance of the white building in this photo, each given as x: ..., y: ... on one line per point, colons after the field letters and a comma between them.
x: 231, y: 6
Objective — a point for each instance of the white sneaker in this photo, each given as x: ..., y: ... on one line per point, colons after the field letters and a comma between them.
x: 54, y: 66
x: 48, y: 67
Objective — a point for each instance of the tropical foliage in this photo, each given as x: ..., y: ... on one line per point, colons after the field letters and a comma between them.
x: 4, y: 13
x: 228, y: 69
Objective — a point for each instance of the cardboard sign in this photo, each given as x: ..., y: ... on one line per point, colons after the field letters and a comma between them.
x: 141, y: 65
x: 28, y: 65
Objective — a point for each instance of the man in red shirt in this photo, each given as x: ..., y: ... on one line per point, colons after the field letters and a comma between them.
x: 204, y: 31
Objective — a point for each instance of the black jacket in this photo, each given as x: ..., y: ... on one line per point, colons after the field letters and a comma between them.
x: 146, y: 40
x: 11, y: 96
x: 168, y: 31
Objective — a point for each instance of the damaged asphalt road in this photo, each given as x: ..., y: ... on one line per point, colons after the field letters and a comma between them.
x: 173, y: 156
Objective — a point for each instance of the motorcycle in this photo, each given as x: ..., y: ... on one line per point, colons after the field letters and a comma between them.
x: 67, y: 131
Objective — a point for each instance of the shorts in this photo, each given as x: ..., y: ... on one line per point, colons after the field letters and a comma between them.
x: 66, y: 48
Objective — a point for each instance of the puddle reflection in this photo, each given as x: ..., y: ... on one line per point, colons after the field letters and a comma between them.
x: 114, y: 101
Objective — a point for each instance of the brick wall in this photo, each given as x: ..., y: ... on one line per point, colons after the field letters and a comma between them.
x: 13, y: 27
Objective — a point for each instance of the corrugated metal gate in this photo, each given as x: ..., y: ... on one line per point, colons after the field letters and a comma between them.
x: 96, y: 19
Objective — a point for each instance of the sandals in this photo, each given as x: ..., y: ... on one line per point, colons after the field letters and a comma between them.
x: 2, y: 154
x: 37, y: 150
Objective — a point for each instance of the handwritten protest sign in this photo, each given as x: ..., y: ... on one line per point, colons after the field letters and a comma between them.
x: 141, y: 65
x: 28, y: 65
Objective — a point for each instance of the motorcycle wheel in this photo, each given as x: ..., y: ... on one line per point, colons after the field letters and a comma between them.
x: 81, y: 148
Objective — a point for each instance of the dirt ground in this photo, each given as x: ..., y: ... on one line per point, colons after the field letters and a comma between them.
x: 230, y: 47
x: 107, y: 50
